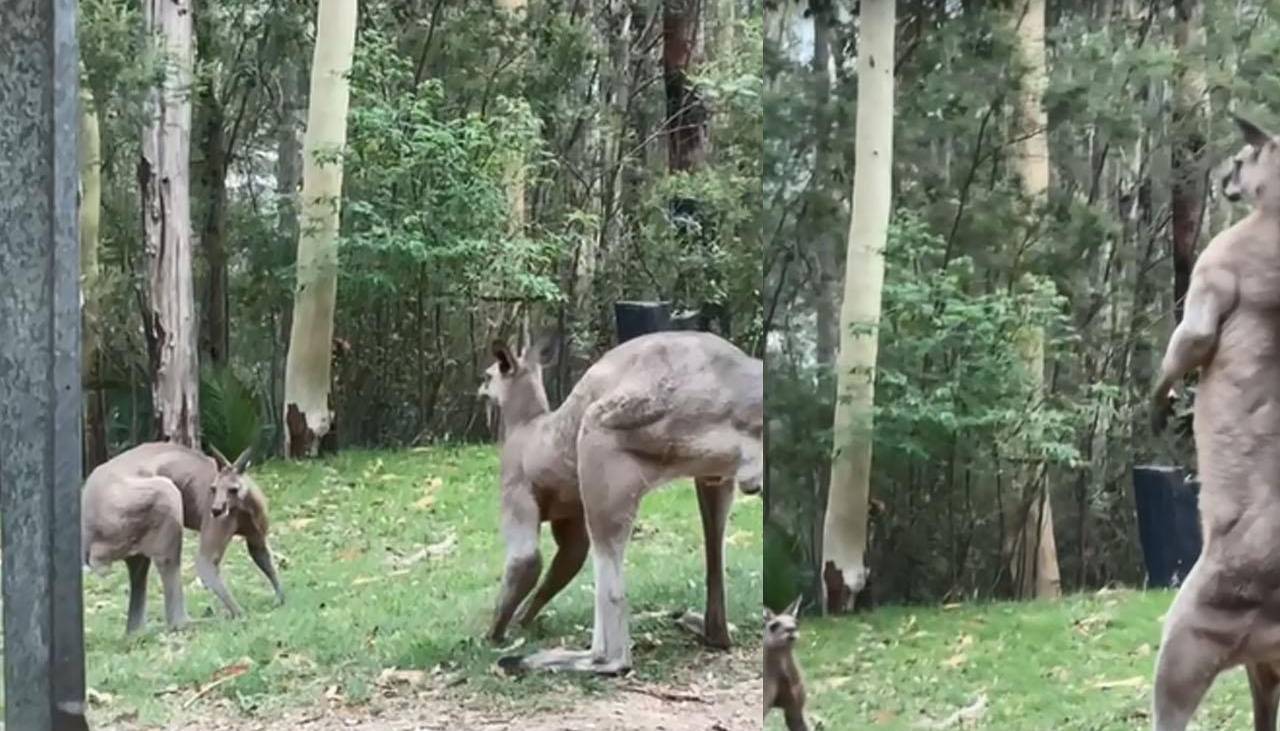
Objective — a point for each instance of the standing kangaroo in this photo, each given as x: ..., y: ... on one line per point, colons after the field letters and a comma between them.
x: 135, y: 505
x: 654, y: 409
x: 783, y: 683
x: 1227, y: 612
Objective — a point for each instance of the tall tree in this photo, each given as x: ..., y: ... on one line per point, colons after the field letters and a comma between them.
x: 1034, y: 549
x: 164, y: 176
x: 95, y: 434
x: 308, y: 415
x: 1187, y: 202
x: 516, y: 11
x: 844, y: 531
x: 687, y: 115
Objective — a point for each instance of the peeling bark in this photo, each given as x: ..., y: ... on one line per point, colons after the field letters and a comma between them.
x: 164, y: 182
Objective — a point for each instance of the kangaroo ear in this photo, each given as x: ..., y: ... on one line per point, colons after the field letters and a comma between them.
x: 794, y: 607
x: 242, y: 462
x: 502, y: 354
x: 541, y: 351
x: 219, y: 458
x: 1254, y: 135
x: 768, y: 614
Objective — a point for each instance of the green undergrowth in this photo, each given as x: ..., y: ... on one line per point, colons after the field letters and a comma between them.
x: 392, y: 560
x: 1082, y: 664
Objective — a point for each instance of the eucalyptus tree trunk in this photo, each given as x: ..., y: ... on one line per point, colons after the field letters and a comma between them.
x: 90, y: 215
x: 515, y: 175
x: 844, y: 534
x: 1033, y: 548
x: 683, y: 46
x: 1187, y: 149
x: 164, y: 176
x: 215, y: 327
x: 307, y: 413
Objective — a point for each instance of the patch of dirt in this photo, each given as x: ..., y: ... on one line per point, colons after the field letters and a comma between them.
x: 726, y: 697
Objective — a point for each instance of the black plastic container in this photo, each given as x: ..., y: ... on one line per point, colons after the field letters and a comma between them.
x: 634, y: 319
x: 1168, y: 522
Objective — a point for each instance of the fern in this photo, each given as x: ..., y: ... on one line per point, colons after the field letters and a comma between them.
x: 231, y: 412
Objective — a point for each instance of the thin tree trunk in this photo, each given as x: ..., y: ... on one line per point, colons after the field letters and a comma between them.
x: 827, y: 298
x: 308, y: 416
x: 164, y: 179
x: 1187, y: 147
x: 515, y: 176
x: 95, y: 432
x: 213, y: 238
x: 687, y: 114
x: 844, y: 529
x: 1035, y: 559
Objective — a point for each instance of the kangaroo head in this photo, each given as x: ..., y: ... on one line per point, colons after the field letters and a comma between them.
x: 781, y: 630
x: 230, y: 488
x: 1254, y: 174
x: 515, y: 384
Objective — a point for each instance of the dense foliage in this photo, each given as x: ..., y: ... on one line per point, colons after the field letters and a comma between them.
x: 971, y: 262
x: 452, y: 103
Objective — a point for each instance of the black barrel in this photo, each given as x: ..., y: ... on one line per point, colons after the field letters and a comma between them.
x: 641, y: 318
x: 1168, y: 522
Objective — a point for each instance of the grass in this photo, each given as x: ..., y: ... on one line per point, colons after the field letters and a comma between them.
x: 1082, y: 664
x: 364, y: 595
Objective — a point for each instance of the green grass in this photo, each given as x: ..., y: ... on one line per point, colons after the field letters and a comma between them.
x: 342, y: 529
x: 1084, y: 663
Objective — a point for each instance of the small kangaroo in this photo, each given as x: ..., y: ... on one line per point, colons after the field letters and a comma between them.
x: 1227, y: 612
x: 135, y: 505
x: 783, y: 682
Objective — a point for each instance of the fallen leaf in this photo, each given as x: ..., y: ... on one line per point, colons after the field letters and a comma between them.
x: 444, y: 547
x: 99, y: 698
x: 883, y: 716
x: 300, y: 523
x: 394, y: 676
x: 1136, y: 681
x: 956, y: 660
x: 967, y: 717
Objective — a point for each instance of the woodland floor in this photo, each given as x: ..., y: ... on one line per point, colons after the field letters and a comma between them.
x: 391, y: 562
x: 1082, y: 664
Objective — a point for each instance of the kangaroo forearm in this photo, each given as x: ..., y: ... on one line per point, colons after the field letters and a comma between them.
x: 261, y: 555
x: 212, y: 579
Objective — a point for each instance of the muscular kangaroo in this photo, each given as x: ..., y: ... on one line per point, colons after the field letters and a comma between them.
x: 135, y: 506
x: 652, y: 410
x: 1227, y: 612
x: 783, y: 682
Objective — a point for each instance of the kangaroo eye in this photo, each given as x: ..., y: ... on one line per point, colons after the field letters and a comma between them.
x: 775, y: 626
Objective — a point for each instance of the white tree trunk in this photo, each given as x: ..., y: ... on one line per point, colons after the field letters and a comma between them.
x: 844, y: 528
x: 164, y: 177
x: 1035, y: 556
x: 307, y: 412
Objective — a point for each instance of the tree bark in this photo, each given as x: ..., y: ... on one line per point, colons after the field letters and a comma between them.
x: 164, y: 179
x: 515, y: 174
x: 827, y: 302
x: 90, y: 214
x: 213, y: 239
x: 687, y: 114
x: 844, y: 528
x: 1188, y: 146
x: 1035, y: 558
x: 308, y: 416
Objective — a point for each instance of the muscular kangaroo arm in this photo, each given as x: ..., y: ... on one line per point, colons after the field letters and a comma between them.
x: 215, y: 534
x: 520, y: 524
x: 1209, y: 298
x: 260, y: 552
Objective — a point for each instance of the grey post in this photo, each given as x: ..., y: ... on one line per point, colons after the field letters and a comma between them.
x: 40, y: 427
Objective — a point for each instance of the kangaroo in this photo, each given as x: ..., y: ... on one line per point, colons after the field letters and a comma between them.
x: 654, y: 409
x: 1227, y: 612
x: 135, y: 505
x: 783, y: 682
